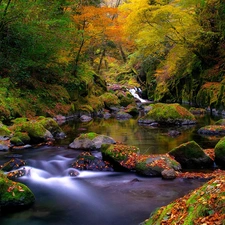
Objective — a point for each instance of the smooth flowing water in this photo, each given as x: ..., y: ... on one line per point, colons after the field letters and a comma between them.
x: 100, y: 198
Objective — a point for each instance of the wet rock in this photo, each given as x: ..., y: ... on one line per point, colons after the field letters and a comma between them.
x: 4, y: 146
x: 102, y: 139
x: 85, y: 118
x: 13, y: 164
x: 169, y: 174
x: 73, y: 173
x: 106, y: 115
x: 174, y: 133
x: 191, y: 156
x: 86, y: 161
x: 91, y: 141
x: 154, y: 165
x: 212, y: 130
x: 121, y: 115
x: 16, y: 173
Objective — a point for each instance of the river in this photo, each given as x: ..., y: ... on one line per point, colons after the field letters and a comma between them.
x: 101, y: 198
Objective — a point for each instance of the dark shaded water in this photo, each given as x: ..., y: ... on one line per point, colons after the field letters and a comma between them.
x: 101, y: 198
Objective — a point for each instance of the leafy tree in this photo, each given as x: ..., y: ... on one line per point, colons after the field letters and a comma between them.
x: 32, y: 36
x: 182, y: 36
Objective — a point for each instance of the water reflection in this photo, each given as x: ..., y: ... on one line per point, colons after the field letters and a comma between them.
x: 150, y: 140
x: 101, y: 197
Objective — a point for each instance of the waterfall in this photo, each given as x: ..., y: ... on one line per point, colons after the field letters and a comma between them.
x: 133, y: 91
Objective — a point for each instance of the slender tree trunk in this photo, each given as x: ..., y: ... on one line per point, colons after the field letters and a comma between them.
x: 122, y: 53
x: 101, y: 59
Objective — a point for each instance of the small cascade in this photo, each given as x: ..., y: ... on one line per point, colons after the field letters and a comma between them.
x: 57, y: 171
x: 133, y: 91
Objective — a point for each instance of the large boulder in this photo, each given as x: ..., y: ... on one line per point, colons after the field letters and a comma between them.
x: 91, y: 141
x: 156, y: 165
x: 123, y: 157
x: 190, y: 155
x: 14, y: 195
x: 168, y: 114
x: 87, y: 161
x: 36, y: 130
x: 51, y: 125
x: 220, y: 153
x: 204, y: 205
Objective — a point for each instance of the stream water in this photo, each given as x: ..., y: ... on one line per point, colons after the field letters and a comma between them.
x: 100, y: 198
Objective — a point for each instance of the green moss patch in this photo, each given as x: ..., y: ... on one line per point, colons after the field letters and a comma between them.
x: 168, y: 114
x: 191, y: 155
x: 14, y: 194
x: 204, y: 205
x: 220, y: 153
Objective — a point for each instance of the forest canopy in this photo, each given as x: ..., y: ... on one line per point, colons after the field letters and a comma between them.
x: 174, y: 49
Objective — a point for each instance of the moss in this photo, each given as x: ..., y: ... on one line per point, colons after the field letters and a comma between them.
x: 189, y: 149
x: 109, y: 99
x: 168, y: 113
x: 220, y: 153
x: 210, y: 95
x: 118, y: 152
x: 4, y: 131
x: 90, y: 135
x: 200, y: 205
x: 16, y: 141
x: 19, y: 120
x: 14, y: 194
x: 49, y: 124
x: 220, y: 122
x: 23, y: 136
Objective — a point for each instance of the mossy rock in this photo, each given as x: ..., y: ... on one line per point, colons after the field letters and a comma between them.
x: 110, y: 99
x: 91, y: 141
x: 19, y: 120
x: 86, y: 161
x: 36, y: 131
x: 190, y: 155
x: 212, y: 130
x: 14, y: 195
x: 220, y: 153
x: 120, y: 155
x: 50, y: 124
x: 13, y: 164
x: 20, y: 138
x: 205, y: 204
x: 4, y: 130
x: 220, y: 122
x: 154, y: 165
x: 197, y: 111
x: 132, y: 110
x: 168, y: 114
x: 125, y: 98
